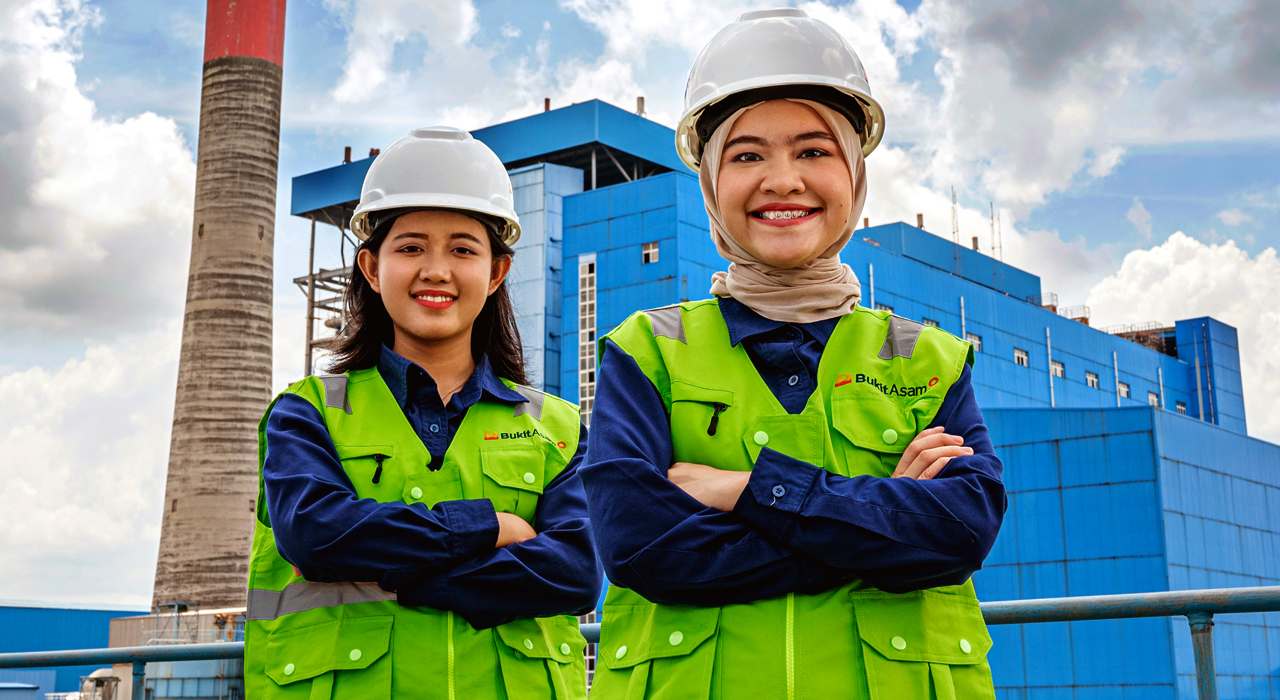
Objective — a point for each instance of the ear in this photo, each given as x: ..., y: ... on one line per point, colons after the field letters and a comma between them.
x: 498, y: 272
x: 368, y: 263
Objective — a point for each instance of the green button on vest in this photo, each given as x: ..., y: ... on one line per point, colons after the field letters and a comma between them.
x: 346, y: 640
x: 881, y: 381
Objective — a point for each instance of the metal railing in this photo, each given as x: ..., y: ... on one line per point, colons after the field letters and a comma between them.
x: 1199, y: 607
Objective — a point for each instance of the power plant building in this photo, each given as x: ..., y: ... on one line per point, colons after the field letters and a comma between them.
x: 1126, y: 455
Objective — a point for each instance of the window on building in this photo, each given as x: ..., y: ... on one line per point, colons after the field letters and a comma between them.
x: 975, y: 339
x: 1091, y: 379
x: 1181, y: 407
x: 929, y: 322
x: 649, y: 253
x: 1056, y: 369
x: 1123, y: 389
x: 1153, y: 399
x: 882, y: 307
x: 587, y: 335
x: 1020, y: 358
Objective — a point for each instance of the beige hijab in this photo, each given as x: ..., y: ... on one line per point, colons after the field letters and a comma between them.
x: 825, y: 288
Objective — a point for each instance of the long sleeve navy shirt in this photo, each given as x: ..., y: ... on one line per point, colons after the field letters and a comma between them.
x: 896, y: 534
x: 443, y: 557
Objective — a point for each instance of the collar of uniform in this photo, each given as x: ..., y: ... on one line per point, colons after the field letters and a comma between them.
x: 396, y: 370
x: 743, y: 323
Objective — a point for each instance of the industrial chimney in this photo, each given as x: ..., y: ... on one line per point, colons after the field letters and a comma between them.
x: 224, y: 372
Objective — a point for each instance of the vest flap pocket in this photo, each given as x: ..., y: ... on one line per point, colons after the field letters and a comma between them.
x: 633, y: 634
x: 874, y: 422
x: 346, y: 452
x: 555, y: 638
x: 684, y: 391
x: 923, y: 627
x: 518, y: 466
x: 341, y: 645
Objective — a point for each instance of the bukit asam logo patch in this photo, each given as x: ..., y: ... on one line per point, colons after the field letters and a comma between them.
x: 886, y: 389
x: 522, y: 435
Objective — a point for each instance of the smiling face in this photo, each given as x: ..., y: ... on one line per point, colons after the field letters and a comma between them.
x: 434, y: 271
x: 784, y: 190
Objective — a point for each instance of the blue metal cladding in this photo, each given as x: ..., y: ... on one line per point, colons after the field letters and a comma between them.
x: 48, y: 628
x: 1124, y: 501
x: 537, y: 269
x: 614, y: 223
x: 325, y: 188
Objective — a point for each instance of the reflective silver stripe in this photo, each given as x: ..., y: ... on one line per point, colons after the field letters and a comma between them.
x: 667, y: 322
x: 901, y: 340
x: 335, y: 391
x: 534, y: 406
x: 307, y: 595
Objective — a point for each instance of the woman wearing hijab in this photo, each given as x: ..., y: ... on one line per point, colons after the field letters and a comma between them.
x: 789, y: 491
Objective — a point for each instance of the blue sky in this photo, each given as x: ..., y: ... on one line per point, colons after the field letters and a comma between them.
x: 1130, y: 148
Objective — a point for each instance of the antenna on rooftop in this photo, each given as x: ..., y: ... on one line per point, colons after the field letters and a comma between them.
x: 955, y: 231
x: 997, y: 244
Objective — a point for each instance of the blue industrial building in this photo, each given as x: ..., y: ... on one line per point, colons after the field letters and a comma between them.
x: 1126, y: 454
x: 26, y: 626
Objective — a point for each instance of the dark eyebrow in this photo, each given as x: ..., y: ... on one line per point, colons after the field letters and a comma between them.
x: 468, y: 236
x: 813, y: 135
x: 753, y: 140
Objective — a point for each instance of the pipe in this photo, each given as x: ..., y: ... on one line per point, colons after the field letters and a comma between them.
x: 1202, y: 643
x: 964, y: 326
x: 871, y: 284
x: 1048, y: 347
x: 311, y: 298
x: 1115, y: 365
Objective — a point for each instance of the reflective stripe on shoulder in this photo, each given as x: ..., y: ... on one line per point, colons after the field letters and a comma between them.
x: 901, y: 339
x: 534, y: 406
x: 335, y: 391
x: 667, y: 322
x: 308, y: 595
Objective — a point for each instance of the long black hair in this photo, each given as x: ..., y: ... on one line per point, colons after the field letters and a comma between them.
x: 367, y: 325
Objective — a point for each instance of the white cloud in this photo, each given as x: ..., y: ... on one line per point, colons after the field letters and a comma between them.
x: 1140, y: 218
x: 98, y: 212
x: 85, y: 451
x: 1185, y: 278
x: 93, y: 254
x: 509, y: 31
x: 1233, y: 217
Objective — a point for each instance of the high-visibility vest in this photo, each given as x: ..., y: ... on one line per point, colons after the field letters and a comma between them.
x: 880, y: 382
x: 305, y: 639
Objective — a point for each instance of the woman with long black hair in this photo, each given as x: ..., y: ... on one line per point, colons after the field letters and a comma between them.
x: 422, y: 529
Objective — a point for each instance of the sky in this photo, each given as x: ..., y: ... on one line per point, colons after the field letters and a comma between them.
x: 1129, y: 147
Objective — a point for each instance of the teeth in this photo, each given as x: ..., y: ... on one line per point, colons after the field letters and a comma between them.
x: 784, y: 214
x: 431, y: 298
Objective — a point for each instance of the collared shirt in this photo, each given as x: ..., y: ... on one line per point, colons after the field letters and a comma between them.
x: 443, y: 557
x: 896, y: 534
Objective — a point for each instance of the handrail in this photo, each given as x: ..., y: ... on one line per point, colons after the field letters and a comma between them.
x: 1199, y: 606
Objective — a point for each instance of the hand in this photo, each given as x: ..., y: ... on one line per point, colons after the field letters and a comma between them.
x: 714, y: 488
x: 929, y: 453
x: 512, y: 529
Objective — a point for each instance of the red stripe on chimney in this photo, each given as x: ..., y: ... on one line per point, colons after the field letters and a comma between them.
x: 245, y: 28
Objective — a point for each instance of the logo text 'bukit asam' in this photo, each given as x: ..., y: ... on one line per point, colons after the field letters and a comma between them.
x: 886, y: 389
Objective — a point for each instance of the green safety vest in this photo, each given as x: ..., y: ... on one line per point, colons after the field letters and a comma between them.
x: 881, y: 381
x: 348, y: 640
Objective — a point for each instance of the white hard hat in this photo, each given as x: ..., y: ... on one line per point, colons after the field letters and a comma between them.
x: 771, y: 54
x: 438, y: 167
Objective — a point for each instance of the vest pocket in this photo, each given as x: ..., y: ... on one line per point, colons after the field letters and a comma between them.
x: 513, y: 477
x: 662, y: 652
x: 923, y: 646
x: 878, y: 429
x: 338, y: 660
x: 535, y: 653
x: 435, y: 487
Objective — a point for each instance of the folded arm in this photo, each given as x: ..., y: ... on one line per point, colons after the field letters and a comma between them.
x: 652, y: 536
x: 330, y: 534
x: 554, y: 573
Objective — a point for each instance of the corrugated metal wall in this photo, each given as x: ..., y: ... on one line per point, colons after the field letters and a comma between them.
x: 26, y: 628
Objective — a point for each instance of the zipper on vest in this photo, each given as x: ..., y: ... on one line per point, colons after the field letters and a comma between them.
x: 377, y: 473
x: 791, y: 646
x: 715, y: 417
